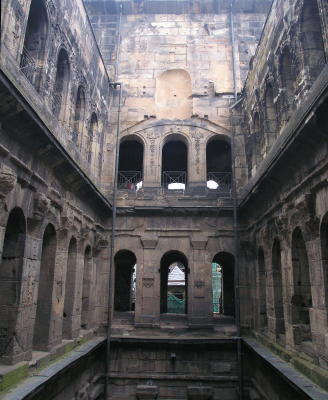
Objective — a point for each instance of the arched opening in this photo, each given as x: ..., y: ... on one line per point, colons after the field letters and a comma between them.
x: 70, y: 284
x: 32, y: 58
x: 175, y: 163
x: 45, y: 288
x: 223, y: 285
x: 79, y: 116
x: 324, y: 254
x: 302, y: 297
x: 288, y: 76
x: 174, y: 283
x: 92, y: 137
x: 130, y: 167
x: 271, y: 127
x: 278, y: 290
x: 312, y: 38
x: 262, y: 288
x: 86, y: 288
x: 253, y: 141
x: 218, y: 165
x: 125, y: 281
x: 60, y: 94
x: 173, y: 95
x: 11, y: 279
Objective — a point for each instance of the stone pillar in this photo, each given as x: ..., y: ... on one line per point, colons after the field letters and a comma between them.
x: 147, y: 311
x: 152, y: 160
x: 197, y: 160
x: 200, y: 307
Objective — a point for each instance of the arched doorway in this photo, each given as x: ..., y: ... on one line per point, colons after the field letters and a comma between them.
x: 218, y: 165
x: 278, y: 290
x: 223, y: 285
x: 174, y: 283
x: 45, y: 288
x: 130, y: 166
x: 125, y: 281
x: 175, y: 163
x: 302, y: 297
x: 11, y: 270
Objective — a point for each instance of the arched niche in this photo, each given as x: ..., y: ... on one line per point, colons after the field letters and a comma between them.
x: 175, y: 162
x: 125, y: 281
x: 11, y: 270
x: 174, y: 283
x: 131, y: 161
x: 223, y: 285
x: 271, y: 125
x: 60, y: 95
x: 79, y: 116
x: 173, y: 95
x: 218, y: 164
x: 280, y: 329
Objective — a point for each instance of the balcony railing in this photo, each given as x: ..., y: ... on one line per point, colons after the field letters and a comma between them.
x: 174, y: 180
x: 27, y: 65
x: 130, y: 180
x: 219, y: 181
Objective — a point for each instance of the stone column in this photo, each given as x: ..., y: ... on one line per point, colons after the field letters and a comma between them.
x: 147, y: 311
x: 200, y: 308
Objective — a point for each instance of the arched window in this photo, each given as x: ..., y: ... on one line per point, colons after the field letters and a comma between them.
x: 45, y: 287
x: 92, y: 138
x: 69, y: 314
x: 218, y: 164
x: 302, y: 297
x: 125, y: 281
x: 130, y: 167
x: 278, y: 290
x: 271, y: 127
x: 79, y: 116
x: 33, y: 53
x: 312, y: 38
x: 60, y: 95
x: 11, y: 269
x: 262, y: 289
x: 86, y: 310
x: 288, y: 76
x: 175, y: 163
x: 223, y: 285
x: 324, y: 254
x: 174, y: 283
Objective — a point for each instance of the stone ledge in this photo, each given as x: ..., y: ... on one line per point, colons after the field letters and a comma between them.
x: 290, y: 365
x: 11, y: 375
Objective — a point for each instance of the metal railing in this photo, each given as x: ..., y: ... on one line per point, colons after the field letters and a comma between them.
x: 174, y: 180
x: 221, y: 181
x: 27, y: 65
x: 130, y: 180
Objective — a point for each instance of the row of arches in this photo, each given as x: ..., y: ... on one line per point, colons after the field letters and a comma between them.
x: 86, y: 133
x: 174, y: 163
x: 174, y: 271
x: 276, y: 100
x: 25, y: 284
x: 272, y: 284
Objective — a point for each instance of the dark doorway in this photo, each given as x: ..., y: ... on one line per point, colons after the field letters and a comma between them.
x: 130, y: 167
x: 125, y: 280
x: 11, y: 278
x: 225, y: 263
x: 46, y: 280
x: 175, y: 163
x: 174, y: 283
x: 218, y: 165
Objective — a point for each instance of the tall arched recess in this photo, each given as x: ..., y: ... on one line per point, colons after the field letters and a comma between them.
x: 223, y: 285
x: 218, y: 164
x: 302, y: 296
x: 278, y: 297
x: 174, y: 283
x: 312, y: 38
x: 60, y: 95
x: 175, y: 163
x: 130, y: 166
x: 11, y: 269
x: 32, y: 58
x: 125, y: 281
